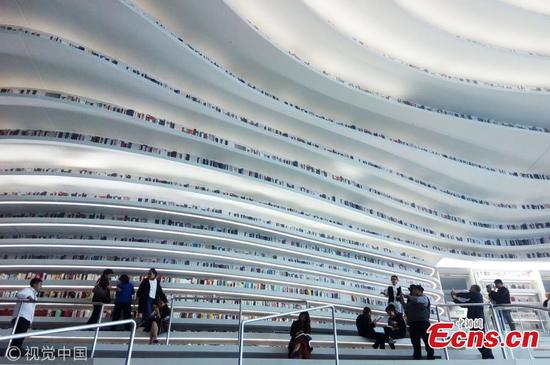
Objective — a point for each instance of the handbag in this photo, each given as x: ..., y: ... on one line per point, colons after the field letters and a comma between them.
x: 100, y: 294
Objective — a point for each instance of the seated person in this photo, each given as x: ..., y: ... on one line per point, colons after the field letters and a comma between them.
x: 159, y: 315
x: 365, y: 327
x: 396, y: 327
x: 298, y: 347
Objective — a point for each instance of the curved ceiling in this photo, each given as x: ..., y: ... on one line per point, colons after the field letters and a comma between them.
x: 377, y: 84
x: 385, y: 47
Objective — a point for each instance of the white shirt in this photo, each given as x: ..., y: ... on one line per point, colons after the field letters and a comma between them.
x: 153, y: 288
x: 27, y: 309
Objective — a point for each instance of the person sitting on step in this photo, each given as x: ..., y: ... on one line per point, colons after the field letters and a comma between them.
x: 396, y: 327
x: 299, y: 347
x: 365, y: 327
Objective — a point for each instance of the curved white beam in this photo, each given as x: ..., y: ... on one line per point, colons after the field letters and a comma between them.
x: 325, y: 49
x: 461, y: 173
x: 492, y: 22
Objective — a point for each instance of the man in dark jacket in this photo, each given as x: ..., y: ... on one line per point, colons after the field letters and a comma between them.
x: 417, y: 310
x: 149, y: 292
x: 502, y: 296
x: 365, y: 327
x: 474, y: 312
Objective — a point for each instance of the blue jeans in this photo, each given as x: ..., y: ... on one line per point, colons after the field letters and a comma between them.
x: 148, y: 308
x: 147, y: 314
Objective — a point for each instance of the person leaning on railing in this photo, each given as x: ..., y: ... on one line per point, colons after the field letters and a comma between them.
x: 502, y: 296
x: 24, y: 311
x: 474, y: 312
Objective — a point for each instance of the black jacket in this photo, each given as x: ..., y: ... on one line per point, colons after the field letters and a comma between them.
x: 418, y: 308
x: 297, y: 327
x: 365, y: 326
x: 473, y: 311
x: 398, y: 322
x: 101, y: 291
x: 392, y: 295
x: 143, y: 294
x: 500, y: 296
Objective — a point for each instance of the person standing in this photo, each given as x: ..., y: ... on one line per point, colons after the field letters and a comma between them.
x: 396, y: 327
x: 149, y: 293
x: 417, y: 310
x: 123, y: 299
x: 25, y: 310
x: 502, y: 296
x: 365, y: 328
x: 393, y: 293
x: 474, y: 312
x: 102, y: 294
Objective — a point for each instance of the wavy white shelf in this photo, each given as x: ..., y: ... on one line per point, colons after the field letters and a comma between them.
x: 414, y: 227
x: 100, y: 124
x: 126, y: 183
x: 41, y: 247
x: 56, y: 227
x: 305, y: 194
x: 463, y: 169
x: 191, y: 215
x: 92, y: 118
x: 360, y: 234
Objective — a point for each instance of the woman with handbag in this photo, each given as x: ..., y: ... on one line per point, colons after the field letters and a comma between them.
x: 101, y: 293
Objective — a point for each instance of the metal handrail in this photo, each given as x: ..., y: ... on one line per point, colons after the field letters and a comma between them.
x: 491, y: 304
x: 221, y: 297
x: 229, y: 297
x: 335, y: 336
x: 496, y: 322
x: 538, y: 307
x: 5, y: 301
x: 502, y: 307
x: 460, y: 304
x: 81, y: 302
x: 79, y: 328
x: 494, y: 315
